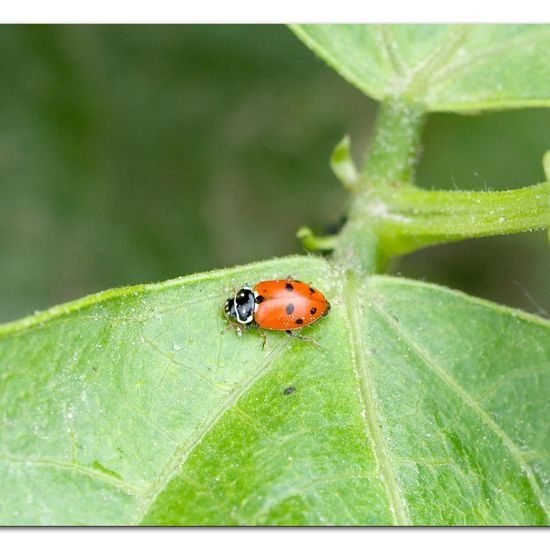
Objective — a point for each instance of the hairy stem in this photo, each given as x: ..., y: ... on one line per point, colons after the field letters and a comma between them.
x: 389, y: 167
x: 390, y: 216
x: 395, y: 147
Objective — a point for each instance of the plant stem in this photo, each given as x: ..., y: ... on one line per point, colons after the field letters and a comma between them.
x: 394, y: 152
x: 389, y: 167
x: 390, y: 216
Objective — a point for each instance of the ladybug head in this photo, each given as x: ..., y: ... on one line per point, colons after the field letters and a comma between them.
x: 241, y: 308
x: 229, y: 309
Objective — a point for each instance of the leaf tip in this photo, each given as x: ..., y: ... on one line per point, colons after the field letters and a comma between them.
x: 342, y: 163
x: 313, y: 242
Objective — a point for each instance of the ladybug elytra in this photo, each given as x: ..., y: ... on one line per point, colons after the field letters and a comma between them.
x: 282, y: 304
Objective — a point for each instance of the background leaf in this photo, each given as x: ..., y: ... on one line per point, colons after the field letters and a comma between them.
x: 423, y: 406
x: 443, y: 67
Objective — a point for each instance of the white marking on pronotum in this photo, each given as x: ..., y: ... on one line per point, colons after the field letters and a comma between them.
x: 251, y: 316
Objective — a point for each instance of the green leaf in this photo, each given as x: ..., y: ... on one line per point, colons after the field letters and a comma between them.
x: 424, y: 406
x: 342, y: 164
x: 442, y: 67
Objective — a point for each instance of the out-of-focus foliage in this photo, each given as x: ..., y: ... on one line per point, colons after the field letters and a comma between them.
x: 125, y: 153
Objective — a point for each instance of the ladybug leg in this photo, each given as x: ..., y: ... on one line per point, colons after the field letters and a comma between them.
x: 307, y: 339
x: 229, y: 326
x: 264, y: 336
x: 232, y: 326
x: 238, y: 328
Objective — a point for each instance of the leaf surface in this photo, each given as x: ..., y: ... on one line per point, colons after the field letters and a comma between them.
x: 442, y: 67
x: 424, y: 406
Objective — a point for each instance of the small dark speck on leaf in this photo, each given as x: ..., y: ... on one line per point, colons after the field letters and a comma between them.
x: 290, y: 390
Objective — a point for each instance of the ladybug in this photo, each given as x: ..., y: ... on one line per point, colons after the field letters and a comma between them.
x: 283, y: 304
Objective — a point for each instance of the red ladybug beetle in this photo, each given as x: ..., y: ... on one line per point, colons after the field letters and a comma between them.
x: 283, y: 304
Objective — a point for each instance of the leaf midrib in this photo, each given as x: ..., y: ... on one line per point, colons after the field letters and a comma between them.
x: 397, y: 503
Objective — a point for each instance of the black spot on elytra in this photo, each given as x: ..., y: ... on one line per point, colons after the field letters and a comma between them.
x: 313, y: 310
x: 289, y: 391
x: 299, y: 321
x: 289, y: 287
x: 311, y: 290
x: 259, y: 299
x: 289, y: 308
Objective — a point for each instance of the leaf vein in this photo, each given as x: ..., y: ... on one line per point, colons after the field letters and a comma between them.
x: 74, y: 467
x: 183, y: 451
x: 443, y: 74
x: 470, y: 402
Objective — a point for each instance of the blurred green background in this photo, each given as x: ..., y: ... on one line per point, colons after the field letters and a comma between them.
x: 132, y: 154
